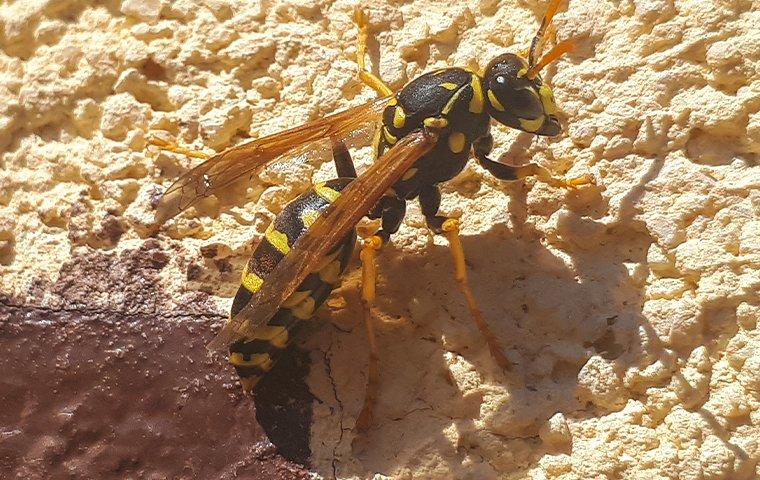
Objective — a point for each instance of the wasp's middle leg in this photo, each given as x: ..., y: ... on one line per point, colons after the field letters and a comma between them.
x: 430, y: 201
x: 173, y: 147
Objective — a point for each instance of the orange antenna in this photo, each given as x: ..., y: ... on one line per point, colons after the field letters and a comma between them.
x: 537, y: 44
x: 559, y: 49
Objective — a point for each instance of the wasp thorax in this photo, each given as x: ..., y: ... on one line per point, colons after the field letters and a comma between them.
x: 518, y: 101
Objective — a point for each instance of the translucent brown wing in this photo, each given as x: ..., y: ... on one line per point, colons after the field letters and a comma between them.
x: 225, y: 167
x: 342, y: 215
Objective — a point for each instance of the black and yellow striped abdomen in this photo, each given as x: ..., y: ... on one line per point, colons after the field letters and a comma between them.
x: 253, y: 357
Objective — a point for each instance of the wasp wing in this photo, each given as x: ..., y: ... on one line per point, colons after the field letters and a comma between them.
x: 342, y: 215
x: 225, y: 167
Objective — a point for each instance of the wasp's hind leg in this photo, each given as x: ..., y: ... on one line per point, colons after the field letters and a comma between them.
x: 392, y: 210
x: 173, y: 147
x: 369, y: 78
x: 509, y: 172
x: 430, y: 201
x: 369, y: 276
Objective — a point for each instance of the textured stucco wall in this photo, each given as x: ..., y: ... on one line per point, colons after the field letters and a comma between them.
x: 629, y: 308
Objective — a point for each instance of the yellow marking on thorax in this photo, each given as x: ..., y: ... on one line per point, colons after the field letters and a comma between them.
x: 399, y: 117
x: 547, y: 99
x: 330, y: 273
x: 305, y: 309
x: 261, y: 360
x: 326, y: 192
x: 456, y: 142
x: 476, y: 103
x: 309, y: 216
x: 531, y: 125
x: 278, y: 239
x: 392, y: 102
x: 495, y: 103
x: 452, y: 101
x: 449, y: 86
x: 435, y: 122
x: 389, y: 137
x: 409, y: 174
x: 295, y: 298
x: 251, y: 281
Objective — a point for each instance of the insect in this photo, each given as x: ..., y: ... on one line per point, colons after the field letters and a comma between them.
x: 423, y: 136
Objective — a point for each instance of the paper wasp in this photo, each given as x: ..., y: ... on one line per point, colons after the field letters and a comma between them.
x: 423, y: 135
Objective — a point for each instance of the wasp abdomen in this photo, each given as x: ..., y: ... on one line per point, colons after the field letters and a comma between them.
x: 253, y: 357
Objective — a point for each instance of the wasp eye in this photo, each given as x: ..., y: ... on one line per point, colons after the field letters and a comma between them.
x: 501, y: 79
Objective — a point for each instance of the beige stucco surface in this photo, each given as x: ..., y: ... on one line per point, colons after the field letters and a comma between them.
x: 629, y: 308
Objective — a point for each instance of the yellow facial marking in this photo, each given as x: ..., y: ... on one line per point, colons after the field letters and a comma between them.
x: 547, y: 99
x: 456, y: 142
x: 295, y: 298
x: 330, y: 273
x: 476, y: 103
x: 409, y: 174
x: 449, y: 86
x: 399, y: 117
x: 326, y: 192
x: 389, y: 136
x: 392, y: 102
x: 305, y: 309
x: 251, y: 281
x: 278, y: 239
x: 495, y: 101
x: 435, y: 122
x: 522, y: 72
x: 261, y: 360
x: 308, y: 217
x: 531, y: 125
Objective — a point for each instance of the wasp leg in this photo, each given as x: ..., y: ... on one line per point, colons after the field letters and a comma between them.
x: 391, y: 209
x: 510, y: 172
x: 369, y: 78
x: 173, y: 147
x: 430, y: 200
x: 344, y: 165
x: 369, y: 276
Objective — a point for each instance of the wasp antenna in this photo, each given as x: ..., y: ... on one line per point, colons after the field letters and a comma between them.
x: 559, y: 49
x: 537, y: 43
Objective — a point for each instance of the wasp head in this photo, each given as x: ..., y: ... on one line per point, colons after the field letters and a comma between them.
x: 518, y: 99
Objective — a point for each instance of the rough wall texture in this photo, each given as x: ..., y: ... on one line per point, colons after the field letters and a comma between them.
x: 629, y: 308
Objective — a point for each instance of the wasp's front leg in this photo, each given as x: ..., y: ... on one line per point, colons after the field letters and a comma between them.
x: 483, y: 147
x: 366, y: 76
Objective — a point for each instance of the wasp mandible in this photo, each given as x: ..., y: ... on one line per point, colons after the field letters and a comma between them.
x: 423, y: 135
